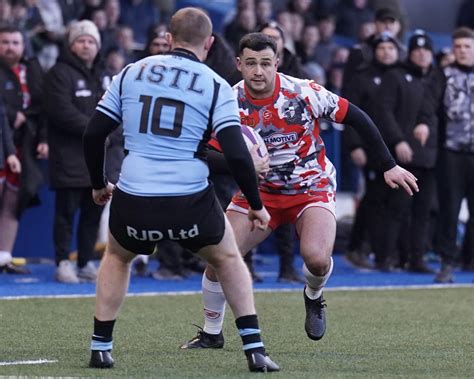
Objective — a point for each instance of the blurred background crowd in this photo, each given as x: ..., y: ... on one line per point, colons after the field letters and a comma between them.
x: 408, y: 67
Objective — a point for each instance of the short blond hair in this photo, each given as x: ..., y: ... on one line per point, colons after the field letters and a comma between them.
x: 190, y: 26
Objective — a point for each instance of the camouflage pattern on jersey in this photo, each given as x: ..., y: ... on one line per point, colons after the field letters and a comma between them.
x: 288, y: 123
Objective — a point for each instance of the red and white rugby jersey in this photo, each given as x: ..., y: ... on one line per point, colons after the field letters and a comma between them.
x: 288, y: 123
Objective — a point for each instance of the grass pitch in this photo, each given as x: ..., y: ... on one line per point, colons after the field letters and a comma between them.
x: 371, y: 334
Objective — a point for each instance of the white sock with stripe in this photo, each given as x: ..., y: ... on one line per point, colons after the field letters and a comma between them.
x: 214, y: 305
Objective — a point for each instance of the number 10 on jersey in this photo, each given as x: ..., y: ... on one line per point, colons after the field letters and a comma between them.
x: 162, y: 126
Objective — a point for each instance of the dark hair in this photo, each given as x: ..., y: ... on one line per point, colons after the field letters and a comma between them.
x: 256, y: 42
x: 383, y: 14
x: 151, y: 37
x: 463, y: 32
x: 10, y: 28
x: 325, y: 16
x: 272, y: 25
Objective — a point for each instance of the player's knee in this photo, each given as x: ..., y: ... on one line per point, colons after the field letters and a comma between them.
x: 318, y: 264
x: 227, y: 257
x: 119, y: 256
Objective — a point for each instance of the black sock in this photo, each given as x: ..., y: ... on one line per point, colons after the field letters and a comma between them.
x: 250, y: 334
x: 102, y: 337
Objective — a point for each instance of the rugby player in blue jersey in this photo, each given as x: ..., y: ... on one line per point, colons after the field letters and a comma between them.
x: 169, y: 105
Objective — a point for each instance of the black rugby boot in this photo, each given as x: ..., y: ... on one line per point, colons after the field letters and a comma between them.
x: 259, y: 362
x: 101, y: 359
x: 315, y: 322
x: 205, y: 340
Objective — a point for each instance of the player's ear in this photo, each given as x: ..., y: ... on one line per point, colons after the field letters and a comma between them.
x: 209, y: 42
x: 277, y: 62
x: 169, y: 38
x: 238, y: 63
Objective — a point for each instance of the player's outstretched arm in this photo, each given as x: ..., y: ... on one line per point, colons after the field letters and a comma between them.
x: 394, y: 175
x: 369, y: 132
x: 398, y: 177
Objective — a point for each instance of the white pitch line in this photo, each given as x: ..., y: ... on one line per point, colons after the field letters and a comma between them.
x: 37, y: 362
x: 275, y: 290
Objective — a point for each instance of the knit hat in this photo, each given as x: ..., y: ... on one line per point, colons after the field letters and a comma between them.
x: 384, y: 37
x: 420, y: 39
x: 84, y: 28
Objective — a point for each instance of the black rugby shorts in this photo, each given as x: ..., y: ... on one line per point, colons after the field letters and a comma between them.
x: 138, y: 223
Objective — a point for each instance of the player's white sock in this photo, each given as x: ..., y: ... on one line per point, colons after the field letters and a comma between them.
x: 144, y: 258
x: 214, y: 305
x: 5, y: 257
x: 315, y: 284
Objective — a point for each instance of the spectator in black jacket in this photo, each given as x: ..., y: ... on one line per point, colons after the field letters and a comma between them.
x: 364, y: 91
x: 72, y: 89
x: 419, y: 89
x: 20, y: 87
x: 405, y: 97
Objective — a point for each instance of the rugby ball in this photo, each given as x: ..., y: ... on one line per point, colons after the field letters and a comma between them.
x: 251, y: 138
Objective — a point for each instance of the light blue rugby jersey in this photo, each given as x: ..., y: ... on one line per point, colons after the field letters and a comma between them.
x: 165, y: 103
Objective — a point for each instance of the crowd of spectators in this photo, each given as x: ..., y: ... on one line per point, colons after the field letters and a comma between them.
x: 58, y: 56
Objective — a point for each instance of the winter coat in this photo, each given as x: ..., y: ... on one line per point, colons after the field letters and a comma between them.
x: 71, y: 94
x: 362, y: 55
x: 364, y: 91
x: 404, y: 97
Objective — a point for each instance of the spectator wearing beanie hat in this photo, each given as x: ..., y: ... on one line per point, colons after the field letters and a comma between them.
x: 383, y: 38
x: 82, y: 35
x: 420, y: 40
x: 420, y: 65
x: 408, y: 124
x: 363, y: 89
x: 420, y: 51
x: 386, y: 20
x: 84, y: 28
x: 72, y: 89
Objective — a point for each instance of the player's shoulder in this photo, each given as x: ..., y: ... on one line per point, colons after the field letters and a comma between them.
x: 287, y: 81
x: 239, y: 86
x: 297, y: 86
